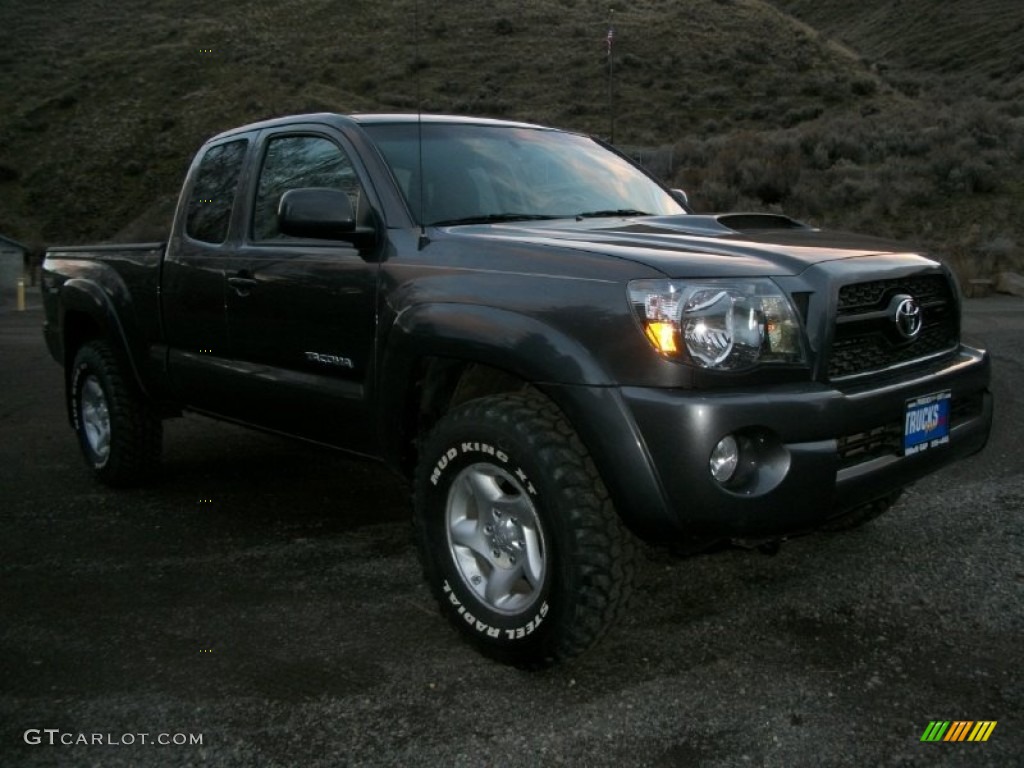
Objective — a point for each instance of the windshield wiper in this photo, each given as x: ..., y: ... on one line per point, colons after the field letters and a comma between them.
x: 615, y: 212
x: 491, y: 218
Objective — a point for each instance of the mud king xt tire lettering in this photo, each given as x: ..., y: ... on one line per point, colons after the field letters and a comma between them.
x: 518, y: 539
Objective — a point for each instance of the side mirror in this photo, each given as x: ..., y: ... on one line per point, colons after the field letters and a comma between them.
x: 682, y: 198
x: 316, y: 212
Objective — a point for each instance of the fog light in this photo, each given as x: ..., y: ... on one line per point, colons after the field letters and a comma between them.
x: 724, y: 459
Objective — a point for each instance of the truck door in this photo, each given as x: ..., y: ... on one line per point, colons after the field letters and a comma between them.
x: 301, y: 313
x: 192, y: 281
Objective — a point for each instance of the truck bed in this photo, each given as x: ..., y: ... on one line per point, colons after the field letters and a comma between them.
x: 129, y: 275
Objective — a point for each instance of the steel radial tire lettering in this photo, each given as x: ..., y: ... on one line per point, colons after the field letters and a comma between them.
x: 119, y: 433
x: 517, y: 536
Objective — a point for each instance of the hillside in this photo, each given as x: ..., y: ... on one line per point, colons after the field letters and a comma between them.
x: 955, y: 48
x: 103, y: 103
x: 962, y: 65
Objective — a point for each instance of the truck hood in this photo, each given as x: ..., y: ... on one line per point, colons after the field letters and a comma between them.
x: 691, y: 245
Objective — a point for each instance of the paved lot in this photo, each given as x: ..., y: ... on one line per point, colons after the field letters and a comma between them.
x: 266, y: 597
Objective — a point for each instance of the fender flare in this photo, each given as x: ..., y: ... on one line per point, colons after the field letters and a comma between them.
x: 517, y: 343
x: 510, y: 341
x: 84, y: 296
x: 555, y: 363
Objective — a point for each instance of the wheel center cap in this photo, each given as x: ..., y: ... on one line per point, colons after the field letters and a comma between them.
x: 508, y: 534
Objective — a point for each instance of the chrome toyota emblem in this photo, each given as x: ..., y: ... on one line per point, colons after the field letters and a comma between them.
x: 908, y: 317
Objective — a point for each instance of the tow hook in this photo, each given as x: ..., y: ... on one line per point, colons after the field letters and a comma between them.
x: 764, y: 546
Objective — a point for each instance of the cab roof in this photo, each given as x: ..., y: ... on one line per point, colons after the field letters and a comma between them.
x: 338, y: 120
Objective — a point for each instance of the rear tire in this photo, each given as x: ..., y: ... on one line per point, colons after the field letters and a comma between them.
x: 517, y: 535
x: 119, y: 433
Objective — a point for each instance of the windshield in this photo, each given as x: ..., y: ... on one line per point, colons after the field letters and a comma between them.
x: 480, y: 173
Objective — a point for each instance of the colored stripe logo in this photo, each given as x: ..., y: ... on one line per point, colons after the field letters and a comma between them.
x: 958, y: 730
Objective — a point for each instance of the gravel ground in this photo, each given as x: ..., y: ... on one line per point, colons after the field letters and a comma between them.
x: 265, y: 596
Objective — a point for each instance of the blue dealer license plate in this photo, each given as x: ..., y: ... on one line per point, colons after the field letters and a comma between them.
x: 926, y: 423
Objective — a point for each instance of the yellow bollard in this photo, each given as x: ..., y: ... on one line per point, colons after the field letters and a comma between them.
x: 21, y: 294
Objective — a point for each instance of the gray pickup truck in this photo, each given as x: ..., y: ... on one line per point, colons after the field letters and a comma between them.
x: 547, y: 342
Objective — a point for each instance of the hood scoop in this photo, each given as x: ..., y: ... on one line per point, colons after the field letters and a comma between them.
x: 758, y: 222
x: 720, y: 225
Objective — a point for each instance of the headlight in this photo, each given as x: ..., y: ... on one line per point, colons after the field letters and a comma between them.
x: 725, y: 325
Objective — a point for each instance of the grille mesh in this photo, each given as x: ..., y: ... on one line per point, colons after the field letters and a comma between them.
x: 873, y: 343
x: 867, y: 297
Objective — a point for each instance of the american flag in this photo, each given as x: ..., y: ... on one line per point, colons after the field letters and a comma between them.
x: 609, y: 39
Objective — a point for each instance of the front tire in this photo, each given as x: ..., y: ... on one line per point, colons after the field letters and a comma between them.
x: 517, y: 535
x: 119, y: 433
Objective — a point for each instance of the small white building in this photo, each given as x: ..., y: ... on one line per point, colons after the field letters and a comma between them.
x: 12, y: 267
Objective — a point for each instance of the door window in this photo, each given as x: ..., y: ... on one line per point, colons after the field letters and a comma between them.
x: 296, y: 162
x: 213, y: 193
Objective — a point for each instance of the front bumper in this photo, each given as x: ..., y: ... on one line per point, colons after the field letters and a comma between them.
x: 825, y: 450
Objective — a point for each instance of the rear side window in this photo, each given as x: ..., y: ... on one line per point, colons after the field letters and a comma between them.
x: 294, y: 162
x: 213, y: 194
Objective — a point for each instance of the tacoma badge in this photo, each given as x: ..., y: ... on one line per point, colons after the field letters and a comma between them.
x: 334, y: 360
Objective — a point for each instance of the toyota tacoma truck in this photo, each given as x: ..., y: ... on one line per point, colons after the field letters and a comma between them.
x: 554, y: 349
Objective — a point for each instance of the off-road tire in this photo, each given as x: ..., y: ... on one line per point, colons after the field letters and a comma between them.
x: 518, y: 453
x: 102, y: 393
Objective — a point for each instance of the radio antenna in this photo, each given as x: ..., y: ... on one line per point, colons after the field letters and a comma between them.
x: 610, y: 43
x: 419, y: 131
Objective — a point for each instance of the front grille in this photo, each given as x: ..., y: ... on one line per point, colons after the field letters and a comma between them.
x: 865, y: 297
x: 866, y: 337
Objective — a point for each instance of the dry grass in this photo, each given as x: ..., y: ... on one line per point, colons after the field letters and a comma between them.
x: 103, y: 103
